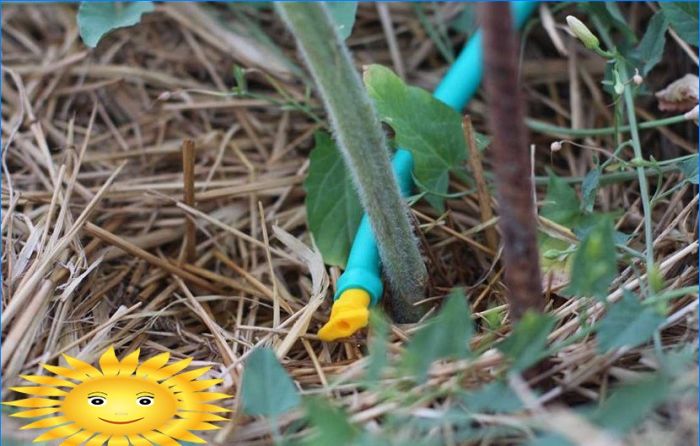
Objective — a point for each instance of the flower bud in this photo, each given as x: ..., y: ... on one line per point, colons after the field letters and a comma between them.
x: 555, y: 146
x: 164, y: 96
x: 582, y: 32
x: 618, y: 87
x: 637, y: 78
x: 656, y: 278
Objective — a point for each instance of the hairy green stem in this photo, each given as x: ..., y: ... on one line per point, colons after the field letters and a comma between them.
x: 359, y: 136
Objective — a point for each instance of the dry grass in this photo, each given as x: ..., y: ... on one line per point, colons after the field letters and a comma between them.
x: 99, y: 202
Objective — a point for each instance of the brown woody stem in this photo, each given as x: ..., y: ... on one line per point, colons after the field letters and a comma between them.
x: 510, y: 160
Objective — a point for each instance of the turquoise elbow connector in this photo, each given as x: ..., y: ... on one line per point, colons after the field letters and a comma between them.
x: 463, y: 78
x: 363, y: 269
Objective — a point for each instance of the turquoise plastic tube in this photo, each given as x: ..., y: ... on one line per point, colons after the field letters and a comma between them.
x: 462, y: 80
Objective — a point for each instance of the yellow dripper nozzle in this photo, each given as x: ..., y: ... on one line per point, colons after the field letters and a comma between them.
x: 349, y: 313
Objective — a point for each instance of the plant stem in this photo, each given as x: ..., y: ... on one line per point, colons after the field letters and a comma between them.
x: 483, y: 193
x: 671, y: 294
x: 633, y: 129
x: 510, y: 160
x: 618, y: 177
x: 642, y: 178
x: 360, y: 138
x: 543, y: 127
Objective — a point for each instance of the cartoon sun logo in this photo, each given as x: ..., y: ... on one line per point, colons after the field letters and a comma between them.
x: 123, y: 403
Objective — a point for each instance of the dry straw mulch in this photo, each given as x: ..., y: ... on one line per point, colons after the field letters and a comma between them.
x: 99, y: 201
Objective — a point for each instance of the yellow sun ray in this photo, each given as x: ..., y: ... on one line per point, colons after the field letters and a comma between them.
x: 197, y: 401
x: 128, y: 364
x: 109, y: 364
x: 156, y: 437
x: 137, y: 440
x: 34, y: 413
x: 97, y: 440
x: 179, y: 431
x: 67, y: 373
x: 46, y: 422
x: 201, y: 416
x: 194, y: 406
x: 204, y: 397
x: 58, y: 432
x: 195, y: 386
x: 190, y: 375
x: 198, y: 422
x: 82, y: 367
x: 170, y: 370
x: 118, y: 441
x: 184, y: 379
x: 47, y: 380
x: 204, y: 426
x: 77, y: 439
x: 34, y: 403
x: 39, y: 391
x: 152, y: 364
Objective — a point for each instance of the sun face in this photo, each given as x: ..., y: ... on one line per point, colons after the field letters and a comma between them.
x: 121, y: 403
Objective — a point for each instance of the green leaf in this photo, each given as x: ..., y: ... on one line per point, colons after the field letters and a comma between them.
x: 496, y: 397
x: 95, y: 19
x: 527, y: 343
x: 332, y: 425
x: 465, y: 22
x: 493, y: 318
x: 373, y: 439
x: 589, y: 189
x: 549, y: 439
x: 267, y: 389
x: 333, y: 208
x: 651, y: 48
x: 689, y: 168
x: 555, y: 260
x: 683, y: 17
x: 587, y: 222
x: 446, y: 335
x: 630, y: 403
x: 677, y: 361
x: 425, y: 126
x: 594, y: 265
x: 627, y: 323
x: 378, y: 357
x: 561, y: 204
x: 343, y: 14
x: 611, y: 16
